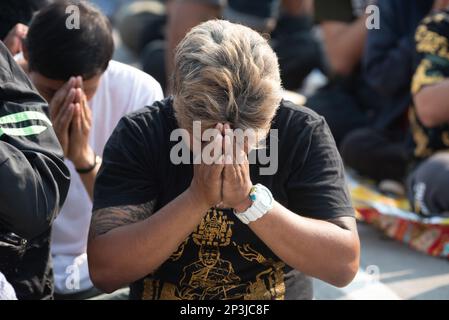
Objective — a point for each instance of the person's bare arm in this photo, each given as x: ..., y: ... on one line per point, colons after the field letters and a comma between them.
x: 440, y: 4
x: 327, y: 250
x: 344, y: 43
x: 182, y: 16
x: 88, y: 179
x: 432, y: 104
x: 15, y: 37
x: 80, y: 152
x: 297, y: 7
x: 129, y: 242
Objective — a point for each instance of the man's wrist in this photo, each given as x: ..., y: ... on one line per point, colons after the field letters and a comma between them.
x: 245, y: 205
x: 262, y: 203
x: 198, y: 200
x: 86, y: 160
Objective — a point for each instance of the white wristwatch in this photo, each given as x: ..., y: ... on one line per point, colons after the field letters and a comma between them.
x: 262, y: 203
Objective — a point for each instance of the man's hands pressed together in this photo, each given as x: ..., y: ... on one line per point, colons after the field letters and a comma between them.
x: 226, y: 181
x: 72, y: 120
x: 236, y: 179
x: 80, y: 153
x: 61, y: 113
x: 206, y: 186
x: 300, y: 242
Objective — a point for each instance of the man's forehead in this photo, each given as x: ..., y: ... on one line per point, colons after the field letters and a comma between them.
x: 43, y: 80
x: 55, y: 83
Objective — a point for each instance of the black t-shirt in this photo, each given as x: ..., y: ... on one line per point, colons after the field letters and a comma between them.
x: 223, y: 258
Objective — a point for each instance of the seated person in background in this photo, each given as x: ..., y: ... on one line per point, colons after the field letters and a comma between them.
x: 88, y: 94
x: 288, y: 22
x: 428, y: 184
x: 34, y: 183
x: 346, y: 102
x: 379, y: 150
x: 182, y: 231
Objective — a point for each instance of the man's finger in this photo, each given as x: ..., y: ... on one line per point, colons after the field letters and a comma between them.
x: 64, y: 118
x: 68, y: 99
x: 218, y: 146
x: 78, y: 94
x: 217, y: 168
x: 88, y: 112
x: 60, y: 95
x: 76, y: 122
x: 85, y: 122
x: 228, y: 149
x: 79, y: 100
x: 240, y: 153
x: 82, y: 100
x: 229, y: 172
x: 79, y: 83
x: 220, y: 127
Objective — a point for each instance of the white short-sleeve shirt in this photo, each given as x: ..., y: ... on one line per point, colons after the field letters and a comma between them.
x: 122, y: 89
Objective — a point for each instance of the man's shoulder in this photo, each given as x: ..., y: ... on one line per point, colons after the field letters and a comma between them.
x: 129, y: 75
x: 160, y: 114
x: 298, y: 127
x: 290, y: 114
x: 117, y: 68
x: 125, y: 88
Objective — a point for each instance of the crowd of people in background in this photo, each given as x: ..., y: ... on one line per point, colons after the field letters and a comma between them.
x: 385, y: 99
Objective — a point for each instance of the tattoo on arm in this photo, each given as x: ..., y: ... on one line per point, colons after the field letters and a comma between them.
x: 104, y: 220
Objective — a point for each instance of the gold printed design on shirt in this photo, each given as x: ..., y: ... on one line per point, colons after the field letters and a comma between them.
x: 431, y: 42
x: 438, y: 18
x: 151, y: 289
x: 422, y: 149
x: 422, y: 78
x: 269, y: 283
x: 169, y: 292
x: 178, y: 253
x: 211, y: 276
x: 214, y: 230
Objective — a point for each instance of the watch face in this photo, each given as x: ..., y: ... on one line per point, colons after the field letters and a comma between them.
x: 265, y: 198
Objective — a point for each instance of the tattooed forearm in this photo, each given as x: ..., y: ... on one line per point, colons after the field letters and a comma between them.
x: 104, y: 220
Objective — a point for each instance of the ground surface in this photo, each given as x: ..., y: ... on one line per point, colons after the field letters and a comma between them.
x: 391, y: 270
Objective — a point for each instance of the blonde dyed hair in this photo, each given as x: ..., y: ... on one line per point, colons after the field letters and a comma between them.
x: 227, y: 73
